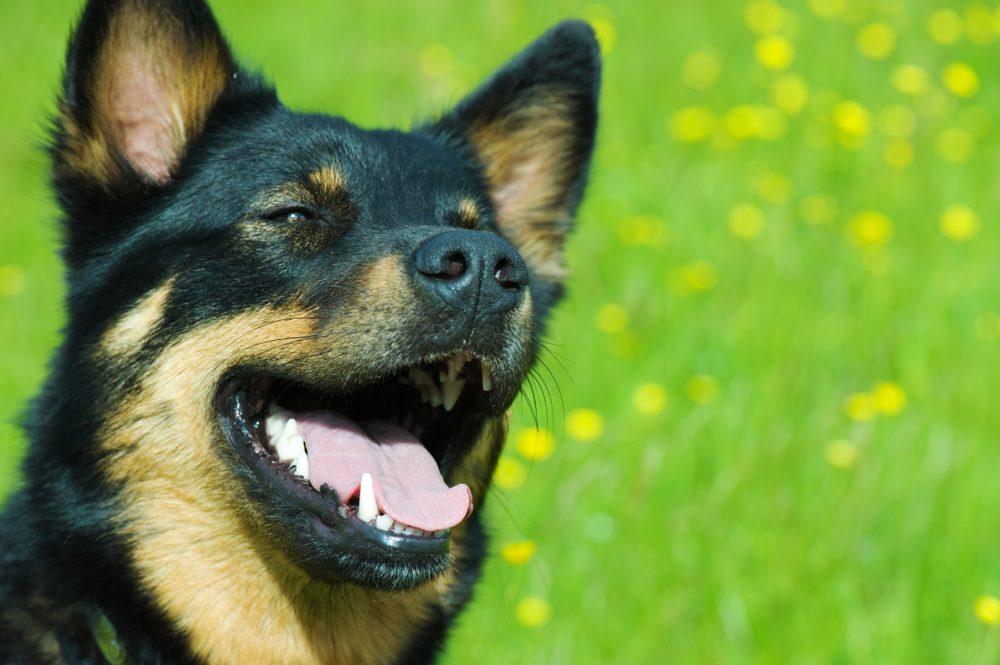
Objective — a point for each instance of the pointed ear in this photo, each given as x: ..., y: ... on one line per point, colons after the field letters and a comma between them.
x: 530, y: 129
x: 141, y: 77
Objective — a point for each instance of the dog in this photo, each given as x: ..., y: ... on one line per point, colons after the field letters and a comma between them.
x: 268, y: 434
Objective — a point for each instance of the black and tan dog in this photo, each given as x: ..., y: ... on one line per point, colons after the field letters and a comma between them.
x: 270, y: 429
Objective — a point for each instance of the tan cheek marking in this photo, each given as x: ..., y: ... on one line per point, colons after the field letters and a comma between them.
x: 134, y: 327
x: 213, y: 574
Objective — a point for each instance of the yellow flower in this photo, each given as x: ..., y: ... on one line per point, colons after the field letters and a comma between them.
x: 817, y: 209
x: 764, y: 16
x: 842, y: 454
x: 945, y: 26
x: 870, y: 228
x: 959, y: 222
x: 897, y: 121
x: 696, y: 277
x: 889, y: 398
x: 645, y: 230
x: 898, y: 153
x: 853, y: 123
x: 910, y: 79
x: 649, y: 398
x: 987, y: 609
x: 828, y: 9
x: 612, y: 318
x: 746, y: 221
x: 955, y: 145
x: 535, y: 444
x: 774, y: 52
x: 961, y: 80
x: 601, y: 19
x: 860, y: 407
x: 510, y: 474
x: 584, y: 424
x: 701, y: 70
x: 747, y: 121
x: 876, y: 41
x: 518, y: 553
x: 693, y: 124
x: 11, y: 281
x: 533, y: 612
x: 979, y: 24
x: 790, y: 93
x: 702, y: 389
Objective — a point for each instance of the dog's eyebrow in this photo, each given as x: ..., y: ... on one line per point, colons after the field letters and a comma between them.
x: 468, y: 213
x: 328, y: 182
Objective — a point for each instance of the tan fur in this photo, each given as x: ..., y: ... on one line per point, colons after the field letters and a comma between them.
x: 128, y: 333
x: 468, y: 214
x: 527, y: 167
x: 329, y: 181
x: 150, y: 95
x: 212, y: 572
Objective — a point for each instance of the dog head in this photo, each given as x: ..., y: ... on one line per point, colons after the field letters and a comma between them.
x: 285, y: 322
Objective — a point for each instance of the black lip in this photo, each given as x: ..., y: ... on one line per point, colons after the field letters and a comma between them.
x: 237, y: 424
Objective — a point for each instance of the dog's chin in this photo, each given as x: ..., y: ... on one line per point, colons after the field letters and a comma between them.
x: 412, y: 426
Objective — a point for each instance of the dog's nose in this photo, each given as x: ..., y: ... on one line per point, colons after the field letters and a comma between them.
x: 472, y: 270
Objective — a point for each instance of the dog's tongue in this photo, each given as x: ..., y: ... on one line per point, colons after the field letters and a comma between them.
x: 408, y: 485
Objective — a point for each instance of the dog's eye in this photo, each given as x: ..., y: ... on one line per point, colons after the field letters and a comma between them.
x: 292, y: 215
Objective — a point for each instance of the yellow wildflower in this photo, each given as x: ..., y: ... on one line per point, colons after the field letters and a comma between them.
x: 860, y: 407
x: 533, y: 612
x: 853, y: 123
x: 979, y: 24
x: 842, y: 454
x: 693, y: 124
x: 876, y: 41
x: 584, y: 424
x: 518, y: 553
x: 889, y: 398
x: 535, y: 444
x: 612, y: 318
x: 764, y: 16
x: 959, y: 222
x: 649, y: 398
x: 702, y: 389
x: 910, y: 79
x: 696, y: 277
x: 961, y: 80
x: 945, y: 26
x: 987, y: 609
x: 701, y: 70
x: 774, y: 52
x: 510, y: 474
x: 746, y: 221
x: 828, y: 9
x: 870, y: 228
x: 790, y: 93
x: 601, y: 19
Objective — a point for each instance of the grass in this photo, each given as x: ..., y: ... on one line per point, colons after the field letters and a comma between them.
x: 752, y: 495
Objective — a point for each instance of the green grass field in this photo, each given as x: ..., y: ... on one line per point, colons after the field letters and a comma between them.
x: 770, y: 412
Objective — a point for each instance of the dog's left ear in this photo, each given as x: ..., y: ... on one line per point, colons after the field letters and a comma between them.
x: 530, y: 129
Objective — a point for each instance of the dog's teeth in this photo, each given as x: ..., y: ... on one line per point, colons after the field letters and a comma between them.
x: 434, y: 395
x: 409, y: 531
x: 455, y: 365
x: 342, y: 511
x: 300, y: 467
x: 383, y: 522
x: 452, y: 391
x: 275, y: 422
x: 397, y: 527
x: 290, y: 444
x: 367, y: 508
x: 420, y: 378
x: 487, y: 379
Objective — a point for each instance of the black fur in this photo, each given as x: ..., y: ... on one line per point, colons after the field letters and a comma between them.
x: 63, y: 556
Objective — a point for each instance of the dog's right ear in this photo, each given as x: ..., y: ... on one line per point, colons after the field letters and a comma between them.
x: 141, y: 78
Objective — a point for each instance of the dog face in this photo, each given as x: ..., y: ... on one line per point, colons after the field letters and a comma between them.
x: 297, y: 338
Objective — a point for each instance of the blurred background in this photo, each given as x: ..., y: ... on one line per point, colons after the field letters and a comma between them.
x: 766, y: 428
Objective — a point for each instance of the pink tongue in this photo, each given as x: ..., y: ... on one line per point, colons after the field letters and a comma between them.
x: 408, y: 486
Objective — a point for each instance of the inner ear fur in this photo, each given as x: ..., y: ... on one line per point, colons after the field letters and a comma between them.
x: 141, y: 78
x: 531, y: 131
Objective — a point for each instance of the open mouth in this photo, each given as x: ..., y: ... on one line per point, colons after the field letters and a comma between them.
x: 372, y: 461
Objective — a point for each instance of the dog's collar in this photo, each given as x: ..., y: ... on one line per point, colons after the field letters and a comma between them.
x: 106, y: 637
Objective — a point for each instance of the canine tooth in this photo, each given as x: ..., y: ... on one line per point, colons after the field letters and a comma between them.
x: 290, y: 444
x: 452, y: 391
x: 434, y: 394
x: 383, y: 522
x: 487, y: 379
x: 300, y: 467
x: 367, y: 508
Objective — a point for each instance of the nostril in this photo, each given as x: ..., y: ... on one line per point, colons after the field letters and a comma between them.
x: 503, y: 275
x: 454, y: 265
